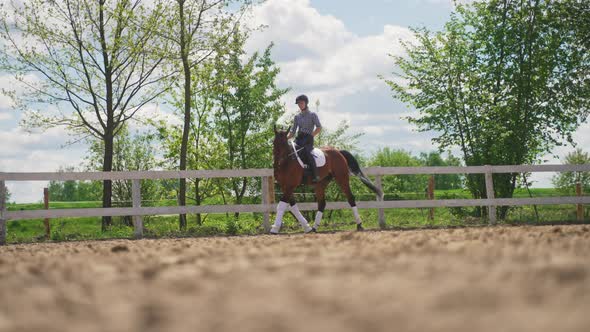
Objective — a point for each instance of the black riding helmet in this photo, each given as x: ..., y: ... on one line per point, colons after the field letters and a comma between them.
x: 302, y: 97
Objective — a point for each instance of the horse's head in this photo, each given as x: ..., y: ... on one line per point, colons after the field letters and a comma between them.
x: 280, y: 144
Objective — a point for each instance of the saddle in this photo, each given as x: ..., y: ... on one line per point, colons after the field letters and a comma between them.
x: 320, y: 157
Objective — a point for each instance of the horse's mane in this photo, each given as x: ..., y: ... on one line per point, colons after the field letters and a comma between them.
x: 277, y: 150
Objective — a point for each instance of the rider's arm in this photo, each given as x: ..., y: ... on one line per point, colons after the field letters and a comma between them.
x: 318, y: 125
x: 293, y: 129
x: 316, y: 131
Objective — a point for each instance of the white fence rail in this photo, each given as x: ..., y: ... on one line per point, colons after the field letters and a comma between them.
x: 267, y: 205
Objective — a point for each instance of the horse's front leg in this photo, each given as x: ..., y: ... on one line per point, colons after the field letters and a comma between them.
x: 299, y: 216
x: 281, y: 209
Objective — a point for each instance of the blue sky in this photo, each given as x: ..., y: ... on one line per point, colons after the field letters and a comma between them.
x: 368, y: 17
x: 331, y: 50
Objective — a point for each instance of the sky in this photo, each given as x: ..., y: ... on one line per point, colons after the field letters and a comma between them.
x: 333, y: 51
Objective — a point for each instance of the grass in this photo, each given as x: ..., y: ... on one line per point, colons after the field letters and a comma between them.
x: 68, y: 229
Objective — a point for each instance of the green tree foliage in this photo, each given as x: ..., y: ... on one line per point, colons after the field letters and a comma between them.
x: 90, y: 58
x: 566, y: 181
x: 74, y: 191
x: 206, y: 150
x: 131, y: 153
x: 235, y: 103
x: 443, y: 181
x: 7, y: 193
x: 505, y: 81
x: 194, y: 29
x: 341, y: 137
x: 397, y: 184
x: 247, y: 106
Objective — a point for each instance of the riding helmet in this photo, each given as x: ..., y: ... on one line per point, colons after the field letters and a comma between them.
x: 302, y: 97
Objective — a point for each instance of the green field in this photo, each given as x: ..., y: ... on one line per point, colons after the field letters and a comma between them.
x: 68, y: 229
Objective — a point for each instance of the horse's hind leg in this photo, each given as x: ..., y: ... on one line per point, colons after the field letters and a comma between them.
x: 299, y: 216
x: 344, y: 184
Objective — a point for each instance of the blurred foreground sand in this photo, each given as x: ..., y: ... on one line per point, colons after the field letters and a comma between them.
x: 473, y: 279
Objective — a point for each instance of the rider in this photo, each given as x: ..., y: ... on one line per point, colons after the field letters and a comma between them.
x: 309, y: 126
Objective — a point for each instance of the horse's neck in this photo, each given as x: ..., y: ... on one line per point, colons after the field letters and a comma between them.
x: 281, y: 160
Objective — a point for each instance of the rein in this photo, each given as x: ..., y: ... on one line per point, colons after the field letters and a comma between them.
x: 290, y: 154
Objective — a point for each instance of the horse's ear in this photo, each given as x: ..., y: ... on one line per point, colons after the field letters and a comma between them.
x: 274, y: 127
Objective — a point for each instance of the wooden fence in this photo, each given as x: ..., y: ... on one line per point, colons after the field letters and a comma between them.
x: 267, y: 206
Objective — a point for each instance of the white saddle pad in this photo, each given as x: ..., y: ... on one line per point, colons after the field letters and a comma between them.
x: 320, y: 157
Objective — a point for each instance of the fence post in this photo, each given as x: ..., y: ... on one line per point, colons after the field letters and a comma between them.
x: 46, y: 220
x: 431, y: 196
x: 580, y: 207
x: 490, y: 194
x: 379, y: 184
x: 266, y: 183
x: 2, y: 213
x: 136, y: 196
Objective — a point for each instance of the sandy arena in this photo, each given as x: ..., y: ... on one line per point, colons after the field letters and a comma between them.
x: 474, y: 279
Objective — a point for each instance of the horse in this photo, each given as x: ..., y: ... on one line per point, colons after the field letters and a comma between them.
x: 289, y: 174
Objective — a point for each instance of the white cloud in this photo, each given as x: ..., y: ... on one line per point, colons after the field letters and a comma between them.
x: 41, y: 152
x: 317, y: 52
x: 5, y: 101
x: 298, y: 26
x: 5, y: 115
x: 319, y: 56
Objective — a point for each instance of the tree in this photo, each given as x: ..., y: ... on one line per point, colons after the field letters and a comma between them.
x: 443, y: 181
x: 130, y: 153
x: 387, y: 157
x: 89, y: 58
x: 505, y: 81
x: 195, y: 28
x: 7, y: 194
x: 206, y: 150
x: 247, y: 106
x: 567, y: 181
x: 63, y: 191
x: 73, y: 191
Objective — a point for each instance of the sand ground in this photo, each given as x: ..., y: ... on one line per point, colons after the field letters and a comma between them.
x: 472, y: 279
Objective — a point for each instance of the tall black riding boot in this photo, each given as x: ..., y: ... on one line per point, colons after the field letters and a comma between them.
x: 314, y: 168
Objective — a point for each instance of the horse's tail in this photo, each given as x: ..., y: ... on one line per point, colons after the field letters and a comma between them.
x: 355, y: 169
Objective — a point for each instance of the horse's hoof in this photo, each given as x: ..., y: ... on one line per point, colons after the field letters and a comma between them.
x: 359, y: 228
x: 313, y: 230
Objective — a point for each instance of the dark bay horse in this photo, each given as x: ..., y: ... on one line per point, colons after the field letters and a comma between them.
x: 289, y: 174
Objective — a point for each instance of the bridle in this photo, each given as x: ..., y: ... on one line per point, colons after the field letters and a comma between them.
x: 294, y: 152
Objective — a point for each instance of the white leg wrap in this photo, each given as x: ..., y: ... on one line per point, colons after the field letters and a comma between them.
x: 357, y: 217
x: 281, y: 208
x: 300, y: 218
x: 318, y: 219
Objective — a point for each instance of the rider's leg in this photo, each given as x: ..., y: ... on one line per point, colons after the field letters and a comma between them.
x: 311, y: 162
